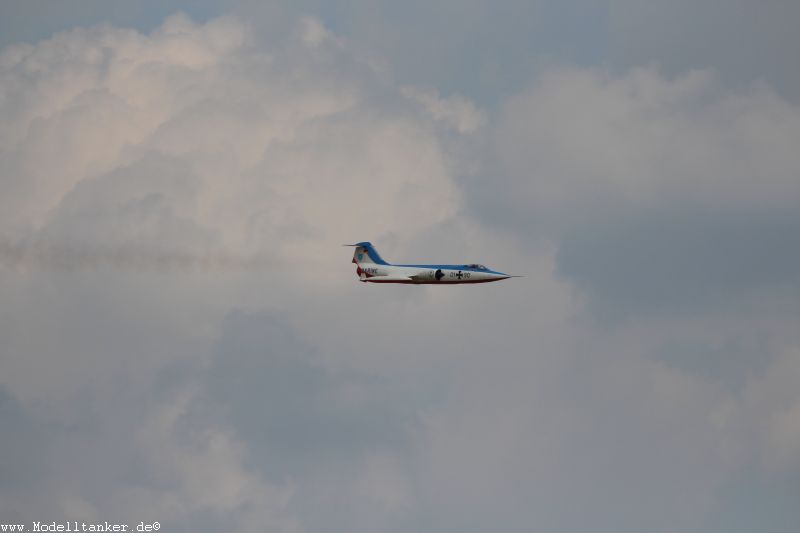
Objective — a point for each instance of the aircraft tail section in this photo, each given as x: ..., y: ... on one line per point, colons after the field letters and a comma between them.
x: 366, y: 254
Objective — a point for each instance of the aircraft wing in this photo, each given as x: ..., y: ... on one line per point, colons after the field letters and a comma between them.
x: 390, y: 279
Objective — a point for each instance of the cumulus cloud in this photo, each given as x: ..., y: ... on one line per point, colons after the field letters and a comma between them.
x: 189, y: 151
x: 660, y: 192
x: 456, y: 111
x: 191, y: 123
x: 742, y: 42
x: 293, y: 398
x: 668, y: 202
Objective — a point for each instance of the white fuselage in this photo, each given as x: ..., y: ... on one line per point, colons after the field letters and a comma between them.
x: 372, y: 268
x: 426, y: 274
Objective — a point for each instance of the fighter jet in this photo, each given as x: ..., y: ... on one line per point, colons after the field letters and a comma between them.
x: 371, y: 268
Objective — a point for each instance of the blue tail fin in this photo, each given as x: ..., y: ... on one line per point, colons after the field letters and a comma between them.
x: 366, y: 254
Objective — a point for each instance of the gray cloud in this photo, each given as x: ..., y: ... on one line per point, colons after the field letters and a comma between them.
x: 267, y: 385
x: 34, y: 20
x: 21, y: 455
x: 657, y: 193
x: 304, y: 424
x: 60, y: 256
x: 297, y: 399
x: 741, y: 41
x: 490, y: 52
x: 668, y: 262
x: 191, y: 152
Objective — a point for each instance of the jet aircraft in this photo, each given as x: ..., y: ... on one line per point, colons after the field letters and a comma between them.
x: 373, y: 269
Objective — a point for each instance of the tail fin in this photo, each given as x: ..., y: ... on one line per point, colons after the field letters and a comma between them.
x: 366, y: 254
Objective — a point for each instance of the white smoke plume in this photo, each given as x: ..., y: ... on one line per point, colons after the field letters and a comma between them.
x: 52, y: 256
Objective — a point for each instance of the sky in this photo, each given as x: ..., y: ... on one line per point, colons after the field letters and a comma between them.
x: 184, y: 339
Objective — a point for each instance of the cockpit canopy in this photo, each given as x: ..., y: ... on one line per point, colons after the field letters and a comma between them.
x: 477, y: 266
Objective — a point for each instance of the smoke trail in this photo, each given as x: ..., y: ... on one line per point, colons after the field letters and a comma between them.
x: 63, y: 257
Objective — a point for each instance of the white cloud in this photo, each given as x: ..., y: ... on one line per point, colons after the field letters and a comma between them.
x: 120, y: 145
x: 601, y: 144
x: 455, y: 111
x: 659, y: 193
x: 175, y: 393
x: 205, y: 473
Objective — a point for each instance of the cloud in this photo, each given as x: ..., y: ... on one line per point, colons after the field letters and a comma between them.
x: 296, y: 399
x: 188, y: 153
x: 667, y: 204
x: 742, y: 42
x: 455, y: 111
x: 305, y: 425
x: 660, y: 193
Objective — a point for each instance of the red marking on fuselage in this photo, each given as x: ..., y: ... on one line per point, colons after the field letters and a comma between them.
x: 410, y: 282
